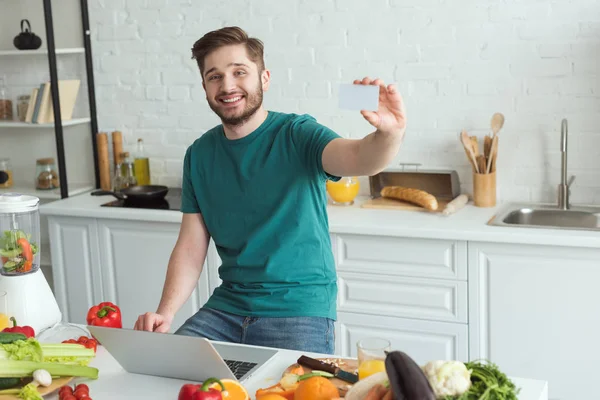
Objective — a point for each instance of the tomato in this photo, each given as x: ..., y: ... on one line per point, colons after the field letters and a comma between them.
x: 64, y: 390
x: 81, y: 394
x: 82, y: 386
x: 69, y: 397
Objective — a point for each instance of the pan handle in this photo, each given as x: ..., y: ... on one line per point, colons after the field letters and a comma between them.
x: 118, y: 195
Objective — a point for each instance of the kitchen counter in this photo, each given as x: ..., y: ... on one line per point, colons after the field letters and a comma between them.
x: 115, y: 383
x: 470, y: 223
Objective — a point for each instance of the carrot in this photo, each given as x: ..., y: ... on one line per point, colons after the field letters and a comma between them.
x: 389, y: 395
x: 376, y: 392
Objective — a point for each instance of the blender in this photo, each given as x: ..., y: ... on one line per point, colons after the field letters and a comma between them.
x: 28, y: 296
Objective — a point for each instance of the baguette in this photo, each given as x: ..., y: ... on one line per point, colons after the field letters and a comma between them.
x: 415, y: 196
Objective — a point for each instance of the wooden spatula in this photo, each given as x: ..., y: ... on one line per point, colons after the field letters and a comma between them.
x: 466, y: 141
x: 487, y: 144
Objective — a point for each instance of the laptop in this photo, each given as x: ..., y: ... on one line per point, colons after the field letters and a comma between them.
x: 180, y: 357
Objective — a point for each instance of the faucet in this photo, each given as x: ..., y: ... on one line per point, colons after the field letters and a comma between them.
x: 564, y: 188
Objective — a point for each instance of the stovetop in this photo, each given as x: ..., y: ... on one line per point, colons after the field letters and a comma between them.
x: 172, y: 201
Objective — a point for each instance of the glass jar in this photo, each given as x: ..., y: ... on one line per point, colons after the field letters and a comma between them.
x: 343, y: 191
x: 46, y: 175
x: 6, y: 179
x: 19, y: 234
x: 6, y: 108
x: 22, y: 106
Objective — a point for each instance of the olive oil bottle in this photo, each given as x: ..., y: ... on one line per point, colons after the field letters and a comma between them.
x: 141, y: 165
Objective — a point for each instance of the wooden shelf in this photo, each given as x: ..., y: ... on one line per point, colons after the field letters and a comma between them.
x: 53, y: 194
x: 38, y: 52
x: 29, y: 125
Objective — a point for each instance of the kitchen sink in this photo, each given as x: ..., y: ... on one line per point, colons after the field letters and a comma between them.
x: 548, y: 216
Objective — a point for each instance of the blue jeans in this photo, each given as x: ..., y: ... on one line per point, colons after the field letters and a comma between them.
x: 309, y: 334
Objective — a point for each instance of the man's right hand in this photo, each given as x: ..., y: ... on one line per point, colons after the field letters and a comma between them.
x: 153, y: 322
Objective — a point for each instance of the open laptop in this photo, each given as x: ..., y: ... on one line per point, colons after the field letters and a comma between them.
x: 180, y: 357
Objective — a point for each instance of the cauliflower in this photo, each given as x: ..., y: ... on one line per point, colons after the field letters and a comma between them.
x: 448, y: 378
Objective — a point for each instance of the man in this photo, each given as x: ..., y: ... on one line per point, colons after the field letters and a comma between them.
x: 256, y: 185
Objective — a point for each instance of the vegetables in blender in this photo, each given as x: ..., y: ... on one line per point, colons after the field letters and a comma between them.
x: 17, y: 251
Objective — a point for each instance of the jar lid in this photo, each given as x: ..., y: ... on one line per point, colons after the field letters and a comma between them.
x: 45, y: 161
x: 17, y: 203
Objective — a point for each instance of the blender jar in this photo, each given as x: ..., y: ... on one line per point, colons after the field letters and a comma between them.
x: 19, y: 234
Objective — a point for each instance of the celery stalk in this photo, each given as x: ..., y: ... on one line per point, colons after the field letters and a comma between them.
x: 32, y: 350
x: 21, y: 369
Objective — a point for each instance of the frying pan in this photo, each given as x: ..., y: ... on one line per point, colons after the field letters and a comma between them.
x: 139, y: 193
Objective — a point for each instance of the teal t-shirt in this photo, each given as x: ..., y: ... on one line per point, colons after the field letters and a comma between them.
x: 263, y: 200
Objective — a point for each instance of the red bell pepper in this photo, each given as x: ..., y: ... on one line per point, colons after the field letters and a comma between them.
x: 25, y: 330
x: 105, y: 314
x: 192, y: 391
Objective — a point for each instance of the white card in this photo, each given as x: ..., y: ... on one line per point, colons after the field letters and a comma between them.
x: 359, y: 97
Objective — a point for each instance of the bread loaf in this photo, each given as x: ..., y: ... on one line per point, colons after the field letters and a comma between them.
x: 415, y: 196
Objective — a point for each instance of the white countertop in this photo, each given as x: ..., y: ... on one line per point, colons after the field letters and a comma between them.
x: 115, y: 383
x: 469, y: 223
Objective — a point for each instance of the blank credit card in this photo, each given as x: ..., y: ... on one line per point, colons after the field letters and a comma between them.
x: 359, y: 97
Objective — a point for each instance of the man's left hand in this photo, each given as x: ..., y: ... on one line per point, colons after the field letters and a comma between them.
x: 391, y: 116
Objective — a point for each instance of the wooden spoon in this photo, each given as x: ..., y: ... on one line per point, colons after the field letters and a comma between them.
x: 466, y: 141
x: 493, y: 153
x: 497, y: 122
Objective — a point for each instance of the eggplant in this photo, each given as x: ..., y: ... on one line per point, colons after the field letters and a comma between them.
x: 407, y: 380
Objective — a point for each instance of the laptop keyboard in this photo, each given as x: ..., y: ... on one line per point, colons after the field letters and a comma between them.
x: 239, y: 368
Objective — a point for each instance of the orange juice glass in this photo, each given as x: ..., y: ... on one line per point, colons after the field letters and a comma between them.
x: 371, y: 356
x: 343, y: 191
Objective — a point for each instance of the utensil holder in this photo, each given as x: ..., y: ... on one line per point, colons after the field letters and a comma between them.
x: 484, y: 189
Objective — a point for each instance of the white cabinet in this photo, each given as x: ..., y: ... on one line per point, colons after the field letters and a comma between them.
x: 134, y: 258
x: 76, y: 265
x: 421, y: 340
x: 410, y: 291
x: 534, y: 312
x: 95, y: 260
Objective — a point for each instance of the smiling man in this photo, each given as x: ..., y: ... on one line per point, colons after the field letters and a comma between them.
x: 256, y: 185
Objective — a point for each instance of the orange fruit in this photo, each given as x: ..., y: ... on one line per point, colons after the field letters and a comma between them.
x: 234, y: 390
x: 271, y: 397
x: 316, y: 388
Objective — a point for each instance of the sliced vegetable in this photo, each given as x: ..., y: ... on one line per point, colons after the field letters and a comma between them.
x: 6, y: 338
x: 17, y: 251
x: 25, y: 249
x: 315, y: 373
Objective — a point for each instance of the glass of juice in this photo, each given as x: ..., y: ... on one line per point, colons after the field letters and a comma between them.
x: 4, y: 317
x: 344, y: 191
x: 371, y: 356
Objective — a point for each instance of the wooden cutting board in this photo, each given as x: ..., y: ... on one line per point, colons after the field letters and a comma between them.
x: 346, y: 364
x: 56, y: 384
x: 393, y: 204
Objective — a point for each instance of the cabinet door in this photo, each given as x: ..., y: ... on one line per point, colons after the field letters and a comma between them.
x: 422, y: 340
x: 534, y: 312
x: 134, y: 258
x: 75, y: 265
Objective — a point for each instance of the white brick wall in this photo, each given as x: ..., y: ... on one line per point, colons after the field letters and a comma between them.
x: 456, y: 63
